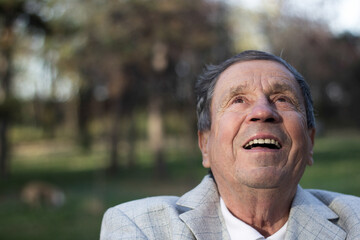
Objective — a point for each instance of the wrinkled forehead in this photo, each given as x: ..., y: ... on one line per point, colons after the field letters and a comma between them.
x: 253, y: 75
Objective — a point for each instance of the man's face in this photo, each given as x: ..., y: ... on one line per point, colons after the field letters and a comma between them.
x: 259, y: 136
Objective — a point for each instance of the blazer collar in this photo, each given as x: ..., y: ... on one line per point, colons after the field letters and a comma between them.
x: 204, y: 214
x: 311, y: 219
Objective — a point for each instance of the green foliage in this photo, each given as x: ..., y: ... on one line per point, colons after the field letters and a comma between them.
x: 24, y: 133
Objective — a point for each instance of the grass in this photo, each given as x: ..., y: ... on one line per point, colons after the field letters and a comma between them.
x: 337, y: 165
x: 90, y: 190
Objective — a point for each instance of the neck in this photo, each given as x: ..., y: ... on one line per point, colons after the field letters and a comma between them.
x: 266, y: 210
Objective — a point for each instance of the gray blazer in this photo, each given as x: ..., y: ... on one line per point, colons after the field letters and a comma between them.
x: 314, y: 214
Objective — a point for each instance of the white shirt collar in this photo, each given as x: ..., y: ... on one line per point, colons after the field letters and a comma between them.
x: 239, y: 230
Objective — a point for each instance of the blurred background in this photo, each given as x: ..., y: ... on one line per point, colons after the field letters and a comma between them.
x: 97, y: 102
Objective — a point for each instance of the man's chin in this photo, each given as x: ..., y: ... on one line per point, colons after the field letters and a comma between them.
x: 262, y: 179
x: 264, y: 185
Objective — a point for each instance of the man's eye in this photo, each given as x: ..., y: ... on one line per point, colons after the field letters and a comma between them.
x: 239, y: 100
x: 282, y: 99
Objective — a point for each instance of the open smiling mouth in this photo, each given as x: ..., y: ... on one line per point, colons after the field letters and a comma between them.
x: 264, y: 143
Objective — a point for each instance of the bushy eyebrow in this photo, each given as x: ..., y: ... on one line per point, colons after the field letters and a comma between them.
x: 283, y: 88
x: 238, y: 89
x: 234, y: 91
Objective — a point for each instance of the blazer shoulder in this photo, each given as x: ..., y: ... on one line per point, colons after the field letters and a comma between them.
x: 150, y: 204
x: 347, y: 207
x: 330, y: 198
x: 149, y: 218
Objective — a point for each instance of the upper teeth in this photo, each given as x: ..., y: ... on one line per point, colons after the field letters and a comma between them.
x: 263, y: 141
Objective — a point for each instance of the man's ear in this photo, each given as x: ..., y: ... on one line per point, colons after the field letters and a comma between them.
x: 312, y: 132
x: 203, y: 140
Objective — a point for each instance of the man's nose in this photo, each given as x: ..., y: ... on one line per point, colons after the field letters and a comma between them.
x: 263, y: 111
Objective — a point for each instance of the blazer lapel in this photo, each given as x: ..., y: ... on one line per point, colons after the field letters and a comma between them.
x: 204, y: 217
x: 311, y: 219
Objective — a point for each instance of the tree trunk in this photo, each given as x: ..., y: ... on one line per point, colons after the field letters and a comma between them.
x: 3, y: 148
x: 114, y: 137
x: 5, y: 95
x: 131, y: 137
x: 84, y: 106
x: 156, y: 135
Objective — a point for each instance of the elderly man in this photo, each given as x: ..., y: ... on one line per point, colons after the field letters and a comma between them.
x: 256, y: 133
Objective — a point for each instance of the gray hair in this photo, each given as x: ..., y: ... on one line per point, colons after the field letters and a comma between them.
x: 206, y: 82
